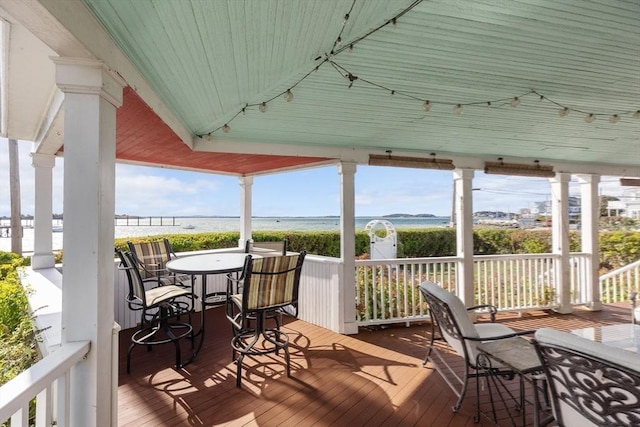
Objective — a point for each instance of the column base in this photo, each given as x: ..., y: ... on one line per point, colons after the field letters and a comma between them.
x: 564, y: 309
x: 39, y: 261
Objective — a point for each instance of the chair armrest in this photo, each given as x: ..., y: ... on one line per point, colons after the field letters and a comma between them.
x: 501, y: 337
x: 491, y: 308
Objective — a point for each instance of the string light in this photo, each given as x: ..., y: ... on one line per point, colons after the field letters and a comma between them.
x: 288, y: 95
x: 426, y: 104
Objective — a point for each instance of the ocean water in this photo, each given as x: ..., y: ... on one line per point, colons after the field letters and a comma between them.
x: 153, y: 226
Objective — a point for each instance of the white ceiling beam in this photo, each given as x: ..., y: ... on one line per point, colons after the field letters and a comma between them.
x: 361, y: 156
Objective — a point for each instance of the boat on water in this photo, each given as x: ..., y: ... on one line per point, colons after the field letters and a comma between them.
x: 57, y: 229
x: 188, y: 227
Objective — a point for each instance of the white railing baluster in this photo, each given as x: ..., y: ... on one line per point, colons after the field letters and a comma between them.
x: 44, y: 407
x: 37, y: 381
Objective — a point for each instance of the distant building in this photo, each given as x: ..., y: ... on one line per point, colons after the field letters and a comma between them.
x: 628, y: 206
x: 544, y: 208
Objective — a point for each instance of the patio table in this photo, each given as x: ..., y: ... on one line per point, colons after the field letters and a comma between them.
x: 203, y: 265
x: 518, y: 355
x: 625, y: 336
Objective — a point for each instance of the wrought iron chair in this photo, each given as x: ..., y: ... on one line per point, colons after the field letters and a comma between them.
x: 267, y: 284
x: 590, y: 383
x: 450, y: 317
x: 159, y: 306
x: 151, y: 259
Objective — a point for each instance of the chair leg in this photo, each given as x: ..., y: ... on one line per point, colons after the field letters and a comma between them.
x: 433, y: 334
x: 456, y: 407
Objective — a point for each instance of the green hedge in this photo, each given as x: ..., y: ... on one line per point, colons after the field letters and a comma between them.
x: 616, y: 247
x: 18, y: 341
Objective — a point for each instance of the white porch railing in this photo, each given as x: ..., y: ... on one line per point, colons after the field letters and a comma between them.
x: 387, y: 289
x: 48, y: 382
x: 616, y: 285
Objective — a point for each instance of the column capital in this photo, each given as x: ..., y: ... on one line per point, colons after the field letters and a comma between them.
x: 588, y: 178
x: 347, y: 168
x: 463, y: 173
x: 245, y: 180
x: 85, y: 76
x: 43, y: 160
x: 560, y: 177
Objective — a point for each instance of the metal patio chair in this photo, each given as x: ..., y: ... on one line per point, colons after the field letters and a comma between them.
x: 160, y: 309
x: 450, y: 317
x: 267, y: 284
x: 151, y: 259
x: 590, y: 383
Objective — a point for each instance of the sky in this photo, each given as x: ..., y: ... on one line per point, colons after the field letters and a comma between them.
x: 146, y: 191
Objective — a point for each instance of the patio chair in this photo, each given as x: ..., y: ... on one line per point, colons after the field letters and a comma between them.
x: 278, y: 247
x: 267, y: 284
x: 590, y: 383
x: 450, y: 317
x: 159, y: 306
x: 151, y: 259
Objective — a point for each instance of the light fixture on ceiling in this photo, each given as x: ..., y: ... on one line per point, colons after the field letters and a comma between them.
x: 630, y: 182
x: 502, y: 168
x: 410, y: 162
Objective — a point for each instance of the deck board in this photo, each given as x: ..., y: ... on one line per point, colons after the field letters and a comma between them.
x: 375, y: 378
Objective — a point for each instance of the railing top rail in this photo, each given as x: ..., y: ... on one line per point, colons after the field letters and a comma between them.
x: 29, y: 383
x: 621, y: 270
x: 514, y: 256
x: 395, y: 261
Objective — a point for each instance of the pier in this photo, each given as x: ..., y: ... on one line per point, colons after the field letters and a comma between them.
x: 145, y: 220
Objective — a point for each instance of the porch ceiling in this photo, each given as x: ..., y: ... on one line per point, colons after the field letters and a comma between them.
x: 208, y: 60
x: 193, y: 66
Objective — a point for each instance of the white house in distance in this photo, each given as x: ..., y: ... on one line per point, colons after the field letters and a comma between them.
x: 628, y: 206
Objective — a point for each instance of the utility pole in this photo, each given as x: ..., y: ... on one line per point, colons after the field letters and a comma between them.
x: 14, y: 189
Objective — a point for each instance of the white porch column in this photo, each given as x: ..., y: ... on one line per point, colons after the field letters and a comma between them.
x: 347, y: 297
x: 590, y: 213
x: 92, y: 94
x: 462, y: 181
x: 42, y: 240
x: 560, y: 239
x: 246, y: 192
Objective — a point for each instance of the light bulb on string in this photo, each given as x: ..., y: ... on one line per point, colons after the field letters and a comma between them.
x: 589, y: 118
x: 564, y: 112
x: 346, y: 19
x: 488, y: 103
x: 614, y: 119
x: 263, y: 107
x: 636, y: 115
x: 339, y: 42
x: 288, y: 95
x: 426, y: 106
x: 458, y: 109
x: 515, y: 102
x: 226, y: 128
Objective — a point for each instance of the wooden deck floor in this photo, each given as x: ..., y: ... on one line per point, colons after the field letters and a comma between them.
x: 374, y: 378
